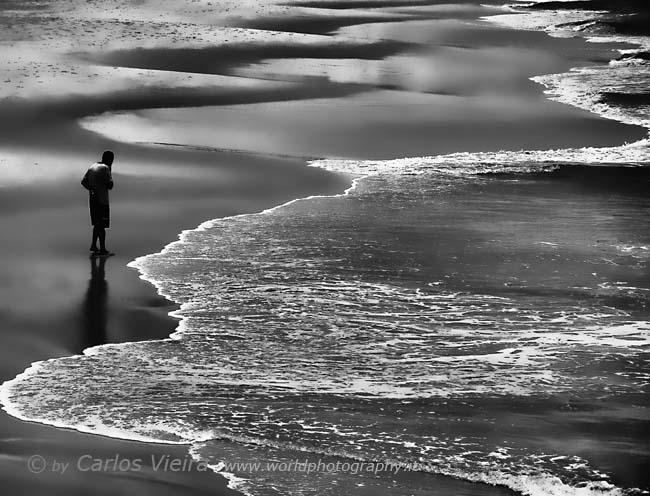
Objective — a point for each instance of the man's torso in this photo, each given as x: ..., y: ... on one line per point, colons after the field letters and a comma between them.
x: 99, y: 182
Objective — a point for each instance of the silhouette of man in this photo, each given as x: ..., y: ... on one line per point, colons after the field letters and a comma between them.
x: 98, y: 180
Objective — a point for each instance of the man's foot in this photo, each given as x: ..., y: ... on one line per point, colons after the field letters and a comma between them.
x: 94, y: 249
x: 104, y: 253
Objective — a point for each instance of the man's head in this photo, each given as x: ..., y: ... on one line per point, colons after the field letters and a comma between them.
x: 107, y: 157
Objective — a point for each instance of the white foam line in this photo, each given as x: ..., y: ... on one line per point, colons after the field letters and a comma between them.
x: 234, y: 482
x: 33, y: 369
x: 643, y: 42
x: 541, y: 484
x: 177, y: 334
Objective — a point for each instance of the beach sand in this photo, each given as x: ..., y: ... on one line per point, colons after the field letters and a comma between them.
x: 52, y: 304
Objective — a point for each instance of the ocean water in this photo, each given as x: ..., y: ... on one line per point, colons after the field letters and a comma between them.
x: 472, y: 326
x: 480, y: 316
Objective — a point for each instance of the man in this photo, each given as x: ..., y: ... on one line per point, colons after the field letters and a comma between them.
x: 98, y: 180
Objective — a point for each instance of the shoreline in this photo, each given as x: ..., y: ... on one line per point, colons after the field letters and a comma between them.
x: 138, y: 313
x: 154, y: 313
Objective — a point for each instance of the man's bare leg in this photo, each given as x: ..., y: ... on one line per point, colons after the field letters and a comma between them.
x: 99, y: 234
x: 93, y: 245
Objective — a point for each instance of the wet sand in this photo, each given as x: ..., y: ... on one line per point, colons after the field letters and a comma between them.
x: 53, y: 303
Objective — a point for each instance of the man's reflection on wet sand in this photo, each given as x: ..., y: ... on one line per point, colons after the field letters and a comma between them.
x: 94, y: 310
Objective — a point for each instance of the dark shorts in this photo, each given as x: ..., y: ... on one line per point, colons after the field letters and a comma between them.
x: 100, y: 213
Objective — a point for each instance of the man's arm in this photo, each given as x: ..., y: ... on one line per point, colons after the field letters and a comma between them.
x: 84, y: 181
x: 109, y: 179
